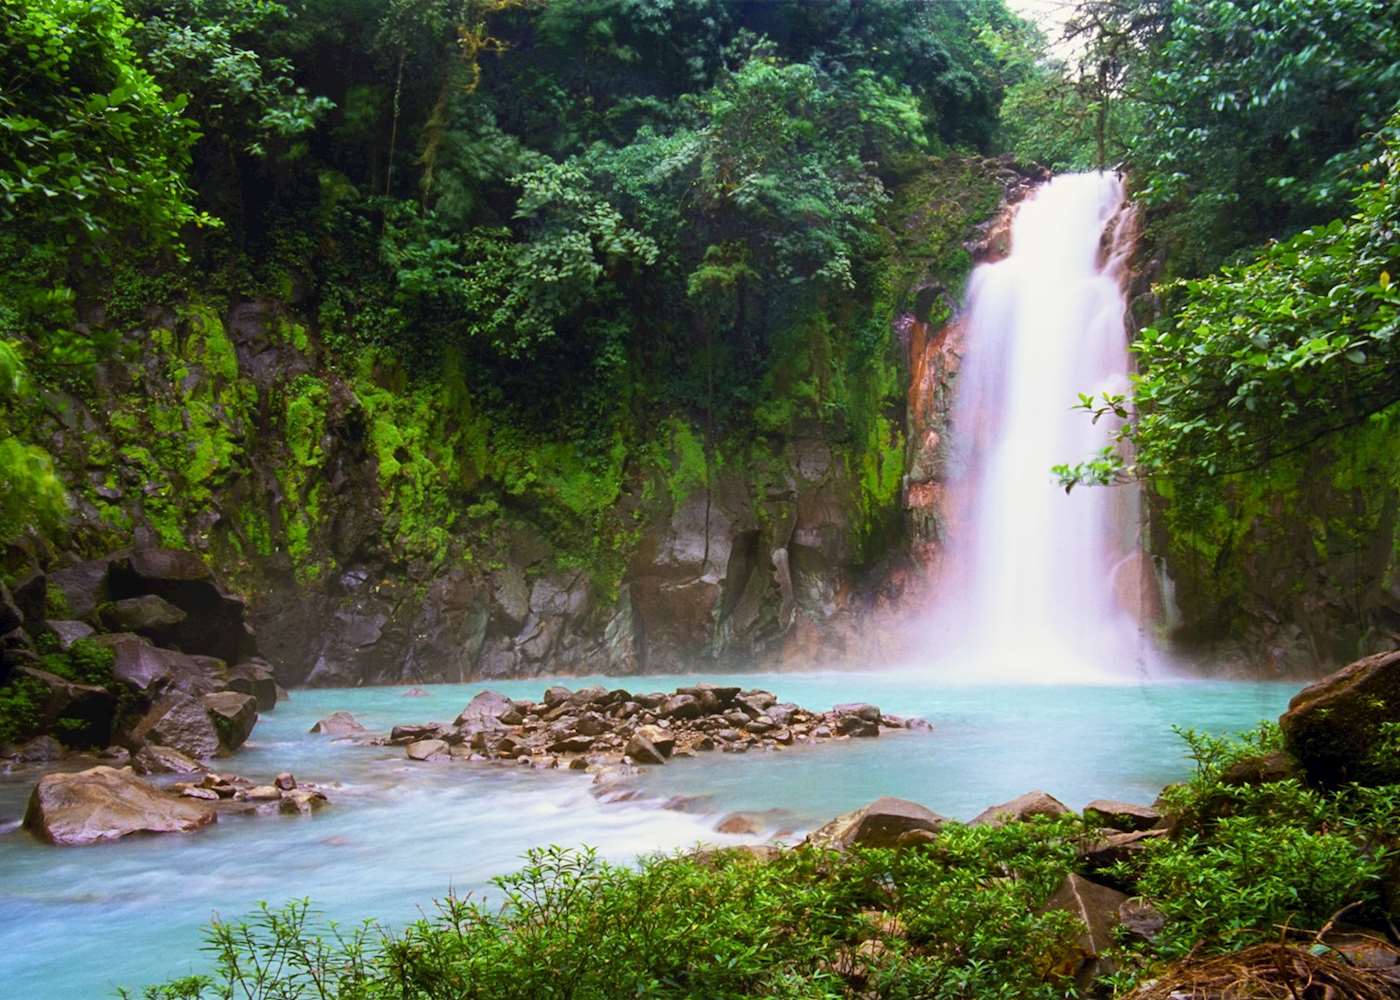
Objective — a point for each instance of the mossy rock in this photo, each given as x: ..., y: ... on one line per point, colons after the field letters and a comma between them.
x: 1346, y: 727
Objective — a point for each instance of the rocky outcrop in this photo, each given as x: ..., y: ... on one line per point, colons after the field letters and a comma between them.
x: 1345, y: 727
x: 886, y: 822
x: 145, y: 662
x: 598, y: 729
x: 1096, y: 907
x: 104, y: 803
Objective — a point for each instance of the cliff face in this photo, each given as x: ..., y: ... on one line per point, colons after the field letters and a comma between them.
x: 387, y: 527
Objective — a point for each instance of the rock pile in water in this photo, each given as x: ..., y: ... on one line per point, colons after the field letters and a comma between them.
x: 598, y: 728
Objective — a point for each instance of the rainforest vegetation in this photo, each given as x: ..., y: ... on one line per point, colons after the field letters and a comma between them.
x: 566, y: 264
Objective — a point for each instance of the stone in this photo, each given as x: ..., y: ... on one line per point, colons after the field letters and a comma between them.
x: 234, y: 714
x: 339, y: 726
x: 83, y: 712
x: 1096, y: 907
x: 303, y: 801
x: 1106, y: 852
x: 426, y: 749
x: 215, y: 623
x: 650, y: 745
x: 31, y: 597
x: 572, y: 744
x: 1020, y: 809
x: 147, y: 615
x: 1140, y: 920
x: 859, y: 709
x: 880, y: 824
x: 156, y: 759
x: 180, y: 721
x: 39, y: 750
x: 682, y: 706
x: 261, y: 793
x: 154, y: 671
x: 69, y: 632
x: 592, y: 724
x: 412, y: 732
x: 1335, y: 727
x: 415, y: 692
x: 203, y: 794
x: 103, y: 803
x: 485, y: 710
x: 254, y: 677
x: 11, y: 617
x: 81, y: 586
x: 854, y: 725
x: 1126, y: 816
x: 556, y: 696
x: 739, y: 823
x: 1261, y: 769
x: 285, y: 781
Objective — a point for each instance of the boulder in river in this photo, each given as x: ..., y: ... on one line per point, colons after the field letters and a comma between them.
x: 485, y: 710
x: 339, y: 726
x: 426, y: 749
x: 886, y: 822
x: 1336, y: 727
x: 651, y: 745
x: 103, y: 803
x: 1020, y: 809
x: 180, y: 721
x: 254, y: 677
x: 234, y: 715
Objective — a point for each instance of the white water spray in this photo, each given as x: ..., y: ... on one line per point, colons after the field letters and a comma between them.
x: 1037, y: 585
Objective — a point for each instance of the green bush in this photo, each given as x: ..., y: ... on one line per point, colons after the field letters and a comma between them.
x: 955, y: 921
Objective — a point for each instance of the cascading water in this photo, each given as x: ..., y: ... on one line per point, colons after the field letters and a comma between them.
x: 1035, y: 584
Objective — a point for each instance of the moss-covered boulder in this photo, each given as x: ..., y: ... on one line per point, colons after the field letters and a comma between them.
x: 1346, y: 727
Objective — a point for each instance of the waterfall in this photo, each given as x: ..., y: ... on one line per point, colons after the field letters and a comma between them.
x: 1034, y: 584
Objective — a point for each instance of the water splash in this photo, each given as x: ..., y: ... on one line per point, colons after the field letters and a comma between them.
x: 1034, y: 584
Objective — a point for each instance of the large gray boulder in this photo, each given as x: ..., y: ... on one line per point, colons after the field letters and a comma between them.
x: 147, y: 615
x: 486, y: 710
x: 104, y: 803
x: 1335, y: 727
x: 154, y: 671
x: 254, y: 677
x: 177, y: 720
x: 234, y: 715
x: 886, y: 822
x: 81, y: 587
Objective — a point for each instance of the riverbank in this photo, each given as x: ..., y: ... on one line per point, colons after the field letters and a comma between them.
x: 400, y: 833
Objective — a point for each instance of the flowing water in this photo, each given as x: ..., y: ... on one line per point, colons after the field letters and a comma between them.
x: 1036, y: 584
x: 76, y: 922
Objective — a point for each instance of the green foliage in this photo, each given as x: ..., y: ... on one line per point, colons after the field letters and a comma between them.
x: 84, y: 662
x: 92, y: 151
x: 208, y: 50
x: 1255, y: 113
x: 1251, y: 859
x: 1268, y: 358
x: 22, y: 701
x: 956, y: 921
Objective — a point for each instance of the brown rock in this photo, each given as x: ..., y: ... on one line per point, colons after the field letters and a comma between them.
x: 156, y: 759
x: 739, y: 823
x: 254, y: 677
x: 177, y: 720
x: 682, y: 706
x: 1334, y: 727
x: 1126, y: 816
x: 879, y: 824
x: 103, y: 803
x: 426, y: 749
x: 285, y: 781
x: 339, y: 725
x: 234, y: 714
x: 1021, y: 809
x: 1096, y: 907
x: 303, y: 801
